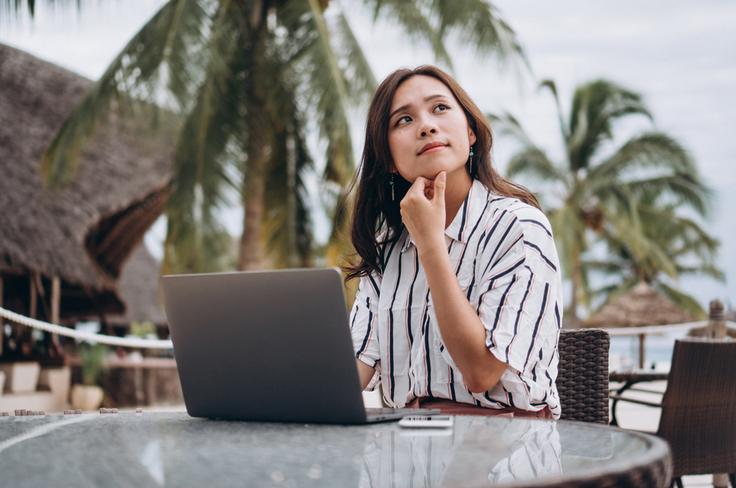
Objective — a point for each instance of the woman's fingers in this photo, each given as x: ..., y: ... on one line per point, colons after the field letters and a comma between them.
x: 418, y: 186
x: 417, y: 189
x: 439, y: 187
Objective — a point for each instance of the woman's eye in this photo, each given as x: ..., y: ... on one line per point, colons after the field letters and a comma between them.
x: 405, y: 119
x: 441, y: 107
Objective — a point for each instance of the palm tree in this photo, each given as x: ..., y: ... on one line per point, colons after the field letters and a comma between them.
x: 248, y: 80
x: 655, y: 244
x: 595, y: 188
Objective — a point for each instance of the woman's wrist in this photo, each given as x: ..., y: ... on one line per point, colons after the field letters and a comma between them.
x: 432, y: 249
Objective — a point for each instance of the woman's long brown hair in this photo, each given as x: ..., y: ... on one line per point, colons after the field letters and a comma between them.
x: 376, y: 221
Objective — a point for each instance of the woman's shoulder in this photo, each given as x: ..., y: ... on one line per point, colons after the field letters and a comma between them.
x: 520, y: 230
x: 526, y: 218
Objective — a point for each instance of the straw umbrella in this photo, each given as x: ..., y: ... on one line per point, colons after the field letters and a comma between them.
x: 640, y: 306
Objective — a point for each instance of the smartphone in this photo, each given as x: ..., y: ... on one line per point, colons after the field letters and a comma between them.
x: 431, y: 421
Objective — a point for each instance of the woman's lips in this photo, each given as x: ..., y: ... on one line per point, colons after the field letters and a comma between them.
x: 433, y: 148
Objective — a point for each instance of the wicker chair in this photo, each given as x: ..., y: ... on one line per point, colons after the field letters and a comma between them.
x: 582, y: 378
x: 699, y: 408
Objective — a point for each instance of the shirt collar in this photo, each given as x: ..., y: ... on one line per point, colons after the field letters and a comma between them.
x: 469, y: 212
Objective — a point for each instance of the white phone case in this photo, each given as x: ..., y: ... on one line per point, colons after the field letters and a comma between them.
x: 431, y: 421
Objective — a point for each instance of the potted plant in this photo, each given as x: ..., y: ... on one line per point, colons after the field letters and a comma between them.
x: 88, y: 395
x: 20, y: 376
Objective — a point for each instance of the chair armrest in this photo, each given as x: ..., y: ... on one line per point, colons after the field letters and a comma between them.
x: 621, y: 398
x: 636, y: 388
x: 636, y: 376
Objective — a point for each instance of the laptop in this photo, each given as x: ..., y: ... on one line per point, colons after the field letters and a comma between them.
x: 267, y: 346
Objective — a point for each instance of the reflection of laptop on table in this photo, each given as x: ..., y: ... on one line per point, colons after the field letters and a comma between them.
x: 268, y: 346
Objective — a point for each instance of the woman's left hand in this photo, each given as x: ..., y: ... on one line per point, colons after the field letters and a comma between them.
x: 423, y: 213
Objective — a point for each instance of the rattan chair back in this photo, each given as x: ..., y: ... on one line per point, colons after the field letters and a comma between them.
x: 699, y: 407
x: 582, y: 377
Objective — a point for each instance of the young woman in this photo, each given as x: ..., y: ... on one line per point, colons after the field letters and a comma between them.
x: 459, y: 303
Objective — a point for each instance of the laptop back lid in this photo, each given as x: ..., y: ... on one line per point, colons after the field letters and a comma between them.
x: 264, y: 345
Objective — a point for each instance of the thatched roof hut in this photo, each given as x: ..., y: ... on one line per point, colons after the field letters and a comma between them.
x: 82, y: 234
x: 642, y: 305
x: 139, y: 288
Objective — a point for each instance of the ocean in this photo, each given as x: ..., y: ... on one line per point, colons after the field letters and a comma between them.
x: 624, y: 351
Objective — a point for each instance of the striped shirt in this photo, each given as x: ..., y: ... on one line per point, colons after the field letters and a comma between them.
x: 506, y: 263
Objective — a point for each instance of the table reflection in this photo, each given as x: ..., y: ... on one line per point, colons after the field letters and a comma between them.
x: 472, y: 453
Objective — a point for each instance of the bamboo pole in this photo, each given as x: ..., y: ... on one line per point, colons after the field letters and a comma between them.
x: 55, y: 307
x: 55, y: 299
x: 32, y: 305
x: 25, y: 338
x: 642, y: 351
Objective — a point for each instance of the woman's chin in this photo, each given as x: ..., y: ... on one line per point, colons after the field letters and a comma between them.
x: 431, y: 172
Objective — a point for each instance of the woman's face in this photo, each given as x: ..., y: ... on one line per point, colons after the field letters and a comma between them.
x: 428, y: 131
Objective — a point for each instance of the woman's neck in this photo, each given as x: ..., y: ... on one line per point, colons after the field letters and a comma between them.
x: 457, y: 189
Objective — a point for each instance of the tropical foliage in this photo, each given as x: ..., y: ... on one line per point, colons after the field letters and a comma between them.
x: 630, y: 197
x: 655, y: 244
x: 248, y: 80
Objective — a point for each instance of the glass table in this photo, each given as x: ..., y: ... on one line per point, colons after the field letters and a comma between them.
x: 173, y: 449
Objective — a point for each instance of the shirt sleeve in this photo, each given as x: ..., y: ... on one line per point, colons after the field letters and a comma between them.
x: 517, y: 288
x: 364, y: 321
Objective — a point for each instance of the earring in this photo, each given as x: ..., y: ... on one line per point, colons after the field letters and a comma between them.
x: 470, y: 160
x: 391, y: 183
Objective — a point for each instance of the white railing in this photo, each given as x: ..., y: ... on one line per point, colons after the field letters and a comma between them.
x: 659, y: 329
x: 84, y: 336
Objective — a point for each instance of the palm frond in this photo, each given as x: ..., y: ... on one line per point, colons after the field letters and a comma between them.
x: 682, y: 300
x: 414, y: 19
x: 206, y: 248
x: 361, y: 82
x: 325, y: 88
x: 652, y: 151
x: 17, y: 8
x: 569, y: 232
x: 552, y: 87
x: 477, y: 23
x: 688, y: 190
x: 627, y: 231
x: 508, y: 125
x: 534, y: 163
x: 596, y: 105
x: 608, y: 293
x: 133, y: 81
x: 607, y: 267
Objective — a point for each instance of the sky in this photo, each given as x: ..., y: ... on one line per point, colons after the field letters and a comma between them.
x: 681, y: 56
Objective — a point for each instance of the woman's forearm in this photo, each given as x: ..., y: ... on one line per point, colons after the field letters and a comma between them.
x: 365, y: 373
x: 462, y: 331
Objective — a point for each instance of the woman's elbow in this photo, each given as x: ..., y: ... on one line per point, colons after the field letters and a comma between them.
x: 481, y: 385
x: 482, y: 381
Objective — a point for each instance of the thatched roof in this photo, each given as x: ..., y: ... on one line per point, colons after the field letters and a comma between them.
x: 139, y: 289
x: 84, y: 232
x: 642, y: 305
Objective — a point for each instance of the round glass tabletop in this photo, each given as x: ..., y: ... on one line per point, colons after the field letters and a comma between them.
x: 159, y: 449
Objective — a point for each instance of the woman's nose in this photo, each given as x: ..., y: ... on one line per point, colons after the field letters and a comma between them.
x: 427, y: 130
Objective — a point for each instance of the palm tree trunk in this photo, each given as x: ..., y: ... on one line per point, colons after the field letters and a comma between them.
x: 576, y: 277
x: 251, y: 250
x: 572, y: 314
